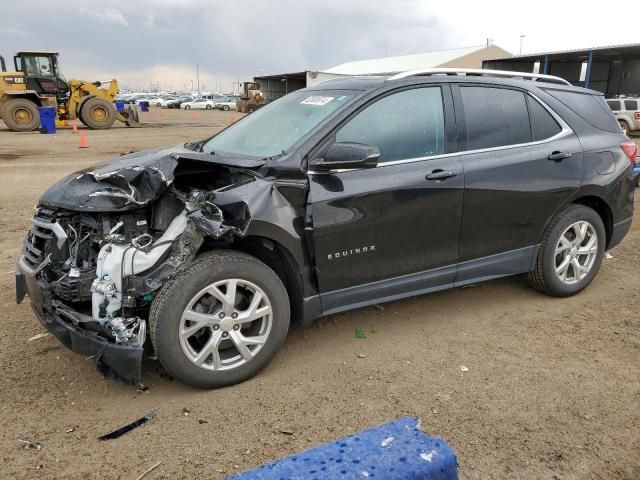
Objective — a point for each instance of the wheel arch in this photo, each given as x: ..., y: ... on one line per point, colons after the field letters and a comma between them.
x: 8, y: 95
x: 277, y: 257
x: 602, y: 208
x: 589, y: 199
x: 81, y: 102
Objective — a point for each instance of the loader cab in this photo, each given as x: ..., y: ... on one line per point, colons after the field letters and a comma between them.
x: 42, y: 73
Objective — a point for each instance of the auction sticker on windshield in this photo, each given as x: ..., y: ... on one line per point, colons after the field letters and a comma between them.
x: 316, y: 100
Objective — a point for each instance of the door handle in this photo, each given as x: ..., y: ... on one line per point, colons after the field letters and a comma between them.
x: 559, y: 156
x: 439, y: 174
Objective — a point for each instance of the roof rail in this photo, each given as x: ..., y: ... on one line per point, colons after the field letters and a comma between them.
x: 480, y: 72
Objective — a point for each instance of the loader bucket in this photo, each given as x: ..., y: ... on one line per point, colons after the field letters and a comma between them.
x: 129, y: 116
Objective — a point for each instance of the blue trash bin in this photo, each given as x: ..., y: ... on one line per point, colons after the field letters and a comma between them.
x: 47, y: 119
x: 119, y: 106
x: 144, y: 106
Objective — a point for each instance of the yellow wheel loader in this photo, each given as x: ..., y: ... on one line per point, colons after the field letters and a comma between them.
x: 38, y: 82
x: 251, y: 98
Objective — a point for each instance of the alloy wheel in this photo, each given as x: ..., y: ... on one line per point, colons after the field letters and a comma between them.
x: 576, y: 252
x: 225, y: 325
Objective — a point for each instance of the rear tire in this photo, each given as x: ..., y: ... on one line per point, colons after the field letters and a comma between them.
x: 21, y: 115
x: 97, y: 114
x: 563, y: 267
x: 225, y: 108
x: 198, y: 339
x: 187, y: 107
x: 208, y: 107
x: 624, y: 126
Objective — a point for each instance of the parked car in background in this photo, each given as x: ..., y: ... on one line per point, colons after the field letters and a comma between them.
x: 199, y: 104
x: 179, y: 101
x: 627, y: 112
x: 162, y: 101
x: 226, y: 103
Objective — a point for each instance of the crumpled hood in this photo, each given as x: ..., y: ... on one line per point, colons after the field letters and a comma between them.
x: 130, y: 181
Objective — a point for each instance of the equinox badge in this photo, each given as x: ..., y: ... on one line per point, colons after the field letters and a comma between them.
x: 351, y: 251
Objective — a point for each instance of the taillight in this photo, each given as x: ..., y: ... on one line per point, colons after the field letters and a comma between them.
x: 637, y: 115
x: 630, y: 149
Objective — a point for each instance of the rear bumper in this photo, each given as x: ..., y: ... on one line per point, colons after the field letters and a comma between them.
x: 619, y: 231
x: 122, y: 362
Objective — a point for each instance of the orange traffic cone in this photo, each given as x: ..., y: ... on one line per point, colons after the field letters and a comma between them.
x: 65, y: 123
x: 233, y: 119
x: 75, y: 128
x: 193, y: 116
x: 83, y: 141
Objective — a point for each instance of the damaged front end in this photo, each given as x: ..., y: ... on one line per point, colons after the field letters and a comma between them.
x: 104, y: 241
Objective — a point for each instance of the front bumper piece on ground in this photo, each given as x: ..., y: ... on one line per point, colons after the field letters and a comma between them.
x: 122, y: 362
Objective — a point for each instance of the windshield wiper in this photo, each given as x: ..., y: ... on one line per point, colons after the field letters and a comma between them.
x: 273, y: 157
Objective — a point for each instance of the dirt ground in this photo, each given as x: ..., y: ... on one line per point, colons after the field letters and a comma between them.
x: 552, y: 389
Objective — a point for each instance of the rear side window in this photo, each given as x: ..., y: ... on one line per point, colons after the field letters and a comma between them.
x: 631, y: 105
x: 613, y: 105
x: 403, y: 125
x: 495, y: 117
x: 543, y: 125
x: 591, y: 108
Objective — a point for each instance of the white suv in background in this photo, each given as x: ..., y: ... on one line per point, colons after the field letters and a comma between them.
x: 627, y: 112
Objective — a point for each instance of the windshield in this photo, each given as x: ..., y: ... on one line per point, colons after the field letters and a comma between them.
x: 274, y: 128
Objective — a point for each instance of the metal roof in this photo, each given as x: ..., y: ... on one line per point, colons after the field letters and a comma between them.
x: 604, y: 51
x: 403, y: 62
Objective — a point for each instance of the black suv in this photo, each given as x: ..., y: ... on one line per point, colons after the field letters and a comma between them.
x: 349, y: 193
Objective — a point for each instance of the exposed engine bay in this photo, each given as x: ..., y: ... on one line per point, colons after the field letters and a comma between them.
x: 97, y: 268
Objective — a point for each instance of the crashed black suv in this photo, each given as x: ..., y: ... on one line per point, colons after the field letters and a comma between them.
x: 346, y: 194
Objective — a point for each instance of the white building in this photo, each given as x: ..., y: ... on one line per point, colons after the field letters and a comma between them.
x: 274, y: 86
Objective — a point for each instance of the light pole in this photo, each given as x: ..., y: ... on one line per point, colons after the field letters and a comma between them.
x: 191, y: 86
x: 198, y: 77
x: 521, y: 39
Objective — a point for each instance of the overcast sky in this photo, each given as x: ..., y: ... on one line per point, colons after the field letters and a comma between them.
x: 142, y: 41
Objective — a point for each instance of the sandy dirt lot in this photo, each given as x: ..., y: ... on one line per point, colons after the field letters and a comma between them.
x: 552, y: 389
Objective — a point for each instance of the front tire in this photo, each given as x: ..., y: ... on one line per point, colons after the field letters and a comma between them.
x: 225, y: 108
x: 220, y: 321
x: 571, y: 252
x: 97, y: 114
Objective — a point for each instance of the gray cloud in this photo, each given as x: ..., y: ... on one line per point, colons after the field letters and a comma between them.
x: 137, y: 40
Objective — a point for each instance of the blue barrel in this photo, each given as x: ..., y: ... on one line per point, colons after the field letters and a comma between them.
x: 397, y: 450
x: 47, y: 119
x: 119, y: 106
x: 144, y: 106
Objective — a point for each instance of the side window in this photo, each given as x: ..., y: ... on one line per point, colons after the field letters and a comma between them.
x: 631, y: 105
x: 38, y: 66
x: 614, y: 105
x: 543, y: 125
x: 407, y: 124
x: 495, y: 117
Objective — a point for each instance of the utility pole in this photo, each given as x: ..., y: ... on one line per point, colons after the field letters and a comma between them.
x: 198, y: 77
x: 521, y: 39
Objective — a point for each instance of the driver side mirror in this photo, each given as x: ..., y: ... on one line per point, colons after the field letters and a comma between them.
x: 347, y: 155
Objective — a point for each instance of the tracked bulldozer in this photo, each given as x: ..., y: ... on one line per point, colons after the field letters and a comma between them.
x: 38, y: 82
